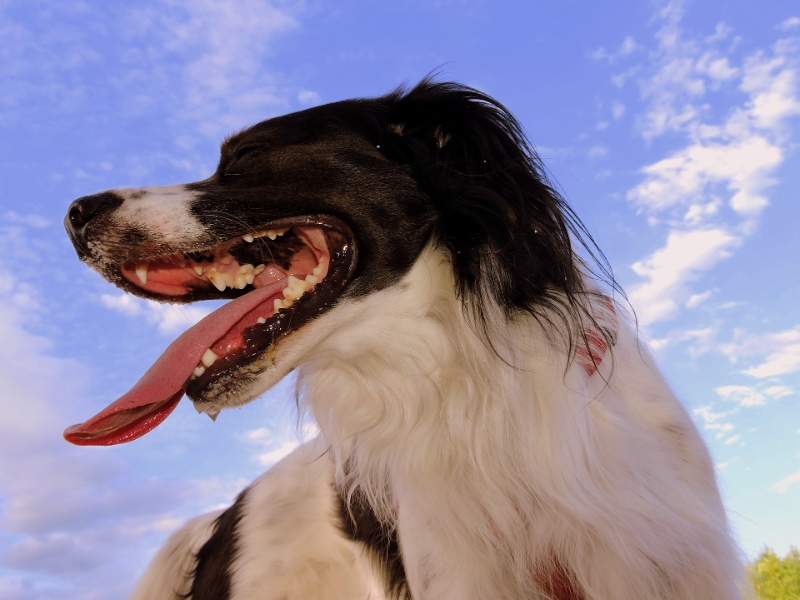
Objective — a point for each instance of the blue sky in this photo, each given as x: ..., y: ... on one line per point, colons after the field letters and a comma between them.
x: 672, y: 128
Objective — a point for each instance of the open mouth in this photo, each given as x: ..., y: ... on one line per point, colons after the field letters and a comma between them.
x: 278, y: 278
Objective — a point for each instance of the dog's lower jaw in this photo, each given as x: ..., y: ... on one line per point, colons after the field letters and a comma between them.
x: 450, y: 437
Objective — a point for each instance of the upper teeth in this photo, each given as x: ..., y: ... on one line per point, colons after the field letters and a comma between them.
x: 270, y: 233
x: 141, y: 272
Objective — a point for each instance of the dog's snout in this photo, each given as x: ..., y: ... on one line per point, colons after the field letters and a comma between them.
x: 87, y: 208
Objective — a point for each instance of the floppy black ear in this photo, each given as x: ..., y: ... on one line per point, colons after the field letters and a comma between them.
x: 509, y: 232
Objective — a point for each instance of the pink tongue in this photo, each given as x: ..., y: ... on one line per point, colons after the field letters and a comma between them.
x: 157, y: 393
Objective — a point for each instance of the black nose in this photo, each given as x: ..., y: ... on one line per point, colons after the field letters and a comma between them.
x: 87, y: 208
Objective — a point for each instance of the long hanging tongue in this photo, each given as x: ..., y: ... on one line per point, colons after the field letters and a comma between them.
x: 157, y: 393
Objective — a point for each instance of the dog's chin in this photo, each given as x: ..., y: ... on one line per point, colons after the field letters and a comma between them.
x: 280, y: 279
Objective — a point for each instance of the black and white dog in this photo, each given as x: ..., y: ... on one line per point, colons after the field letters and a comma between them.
x: 490, y: 426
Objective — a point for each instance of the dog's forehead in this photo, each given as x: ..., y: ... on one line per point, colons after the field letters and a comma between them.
x: 293, y: 128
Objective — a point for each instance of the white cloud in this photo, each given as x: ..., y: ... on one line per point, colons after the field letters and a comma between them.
x: 712, y: 421
x: 274, y: 444
x: 778, y: 391
x: 628, y: 47
x: 742, y: 166
x: 790, y: 23
x: 221, y: 46
x: 784, y: 484
x: 671, y: 268
x: 169, y: 318
x: 710, y: 191
x: 308, y: 97
x: 697, y: 299
x: 598, y: 151
x: 743, y: 395
x: 782, y: 351
x: 618, y: 110
x: 67, y: 510
x: 733, y: 439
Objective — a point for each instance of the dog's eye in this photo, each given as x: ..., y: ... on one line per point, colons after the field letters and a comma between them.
x: 243, y: 158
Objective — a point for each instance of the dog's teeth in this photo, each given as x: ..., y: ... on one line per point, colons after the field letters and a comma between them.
x: 226, y: 260
x: 295, y: 289
x: 262, y: 320
x: 217, y: 278
x: 311, y: 279
x: 279, y: 304
x: 240, y: 282
x: 248, y: 238
x: 199, y: 371
x: 198, y: 269
x: 258, y: 269
x: 141, y: 272
x: 317, y: 271
x: 246, y: 268
x: 208, y: 358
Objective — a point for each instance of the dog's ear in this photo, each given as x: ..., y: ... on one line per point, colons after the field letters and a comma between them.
x: 509, y: 232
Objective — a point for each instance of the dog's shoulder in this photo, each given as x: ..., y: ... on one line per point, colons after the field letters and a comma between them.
x: 284, y: 533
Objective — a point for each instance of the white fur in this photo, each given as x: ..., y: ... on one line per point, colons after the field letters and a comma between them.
x: 168, y: 573
x: 162, y: 211
x: 497, y: 460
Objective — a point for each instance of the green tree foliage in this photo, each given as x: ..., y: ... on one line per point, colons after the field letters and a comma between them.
x: 774, y: 578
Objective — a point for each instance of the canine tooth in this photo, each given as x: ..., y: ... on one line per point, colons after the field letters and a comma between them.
x: 208, y: 358
x: 141, y: 272
x: 198, y: 269
x: 248, y: 238
x: 218, y: 279
x: 258, y: 269
x: 261, y: 320
x: 199, y: 371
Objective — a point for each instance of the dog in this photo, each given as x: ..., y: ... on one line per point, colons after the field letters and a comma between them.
x: 490, y: 425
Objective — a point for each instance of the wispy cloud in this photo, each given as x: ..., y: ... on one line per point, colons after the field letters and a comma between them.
x: 169, y: 318
x: 68, y: 511
x: 781, y: 351
x: 200, y: 64
x: 709, y: 191
x: 784, y: 484
x: 714, y: 421
x: 219, y: 49
x: 273, y: 446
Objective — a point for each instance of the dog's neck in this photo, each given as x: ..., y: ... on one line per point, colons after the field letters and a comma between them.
x: 439, y: 424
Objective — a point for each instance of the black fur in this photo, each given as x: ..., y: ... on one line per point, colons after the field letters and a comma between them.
x: 359, y: 523
x: 439, y: 162
x: 211, y: 579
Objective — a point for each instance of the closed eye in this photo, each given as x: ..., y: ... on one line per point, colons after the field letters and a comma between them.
x: 240, y: 159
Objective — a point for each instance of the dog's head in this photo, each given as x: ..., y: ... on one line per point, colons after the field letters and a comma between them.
x: 313, y: 209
